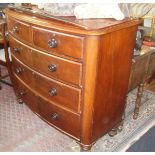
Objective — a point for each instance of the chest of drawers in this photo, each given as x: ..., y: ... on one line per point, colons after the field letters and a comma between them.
x: 73, y: 73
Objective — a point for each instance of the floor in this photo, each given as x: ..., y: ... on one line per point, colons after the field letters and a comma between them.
x: 146, y: 143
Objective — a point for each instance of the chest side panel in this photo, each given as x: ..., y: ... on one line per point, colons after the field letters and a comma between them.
x: 114, y: 63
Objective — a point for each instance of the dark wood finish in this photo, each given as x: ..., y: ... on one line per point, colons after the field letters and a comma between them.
x: 64, y: 42
x: 101, y: 55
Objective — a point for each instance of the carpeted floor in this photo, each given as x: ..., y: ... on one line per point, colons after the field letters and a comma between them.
x: 23, y: 131
x: 146, y: 143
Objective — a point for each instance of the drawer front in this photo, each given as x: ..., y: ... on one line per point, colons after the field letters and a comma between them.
x: 25, y: 94
x: 62, y: 119
x: 19, y: 29
x: 57, y: 68
x: 57, y: 92
x: 21, y: 52
x: 23, y: 73
x: 52, y: 41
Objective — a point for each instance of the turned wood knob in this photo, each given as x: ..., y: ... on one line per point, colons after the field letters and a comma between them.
x: 22, y: 93
x: 55, y: 116
x: 52, y: 67
x: 53, y: 92
x: 16, y: 50
x: 15, y: 29
x: 18, y: 70
x: 52, y: 43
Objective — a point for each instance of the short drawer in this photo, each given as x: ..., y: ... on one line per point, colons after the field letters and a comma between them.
x: 57, y: 68
x: 61, y: 43
x: 55, y: 91
x: 21, y: 52
x: 19, y: 29
x: 64, y: 120
x: 27, y: 96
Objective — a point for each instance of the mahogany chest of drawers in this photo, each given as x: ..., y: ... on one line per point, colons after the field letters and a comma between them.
x: 72, y: 73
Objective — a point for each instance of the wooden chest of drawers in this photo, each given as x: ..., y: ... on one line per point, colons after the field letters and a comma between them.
x: 73, y: 74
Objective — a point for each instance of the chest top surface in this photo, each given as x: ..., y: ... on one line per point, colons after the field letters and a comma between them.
x: 71, y: 24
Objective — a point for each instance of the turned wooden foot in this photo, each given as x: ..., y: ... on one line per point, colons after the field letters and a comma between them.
x: 85, y: 148
x: 113, y: 132
x: 138, y: 100
x: 117, y: 129
x: 20, y: 101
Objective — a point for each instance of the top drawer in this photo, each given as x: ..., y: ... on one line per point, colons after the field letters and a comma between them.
x: 52, y: 41
x: 19, y: 29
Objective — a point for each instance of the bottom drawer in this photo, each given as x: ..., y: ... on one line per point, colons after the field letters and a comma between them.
x: 26, y: 95
x: 64, y: 120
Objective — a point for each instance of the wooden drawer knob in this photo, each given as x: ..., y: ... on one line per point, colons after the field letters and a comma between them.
x: 55, y: 116
x: 16, y: 50
x: 52, y: 67
x: 22, y: 93
x: 53, y: 92
x: 19, y: 70
x: 15, y: 29
x: 52, y: 43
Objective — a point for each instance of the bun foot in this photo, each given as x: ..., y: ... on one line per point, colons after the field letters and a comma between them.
x: 113, y: 132
x: 20, y: 101
x: 85, y: 148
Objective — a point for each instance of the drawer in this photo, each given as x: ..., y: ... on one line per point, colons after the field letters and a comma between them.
x: 21, y: 52
x: 25, y: 94
x: 57, y: 68
x: 23, y: 73
x: 64, y: 120
x: 19, y: 29
x: 54, y: 91
x: 61, y: 43
x: 57, y: 92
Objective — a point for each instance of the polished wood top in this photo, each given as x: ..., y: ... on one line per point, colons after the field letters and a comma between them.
x: 71, y: 24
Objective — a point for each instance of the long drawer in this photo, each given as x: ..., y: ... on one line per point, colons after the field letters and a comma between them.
x: 21, y: 52
x: 52, y: 41
x: 25, y: 94
x: 64, y: 120
x: 54, y: 91
x: 49, y: 65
